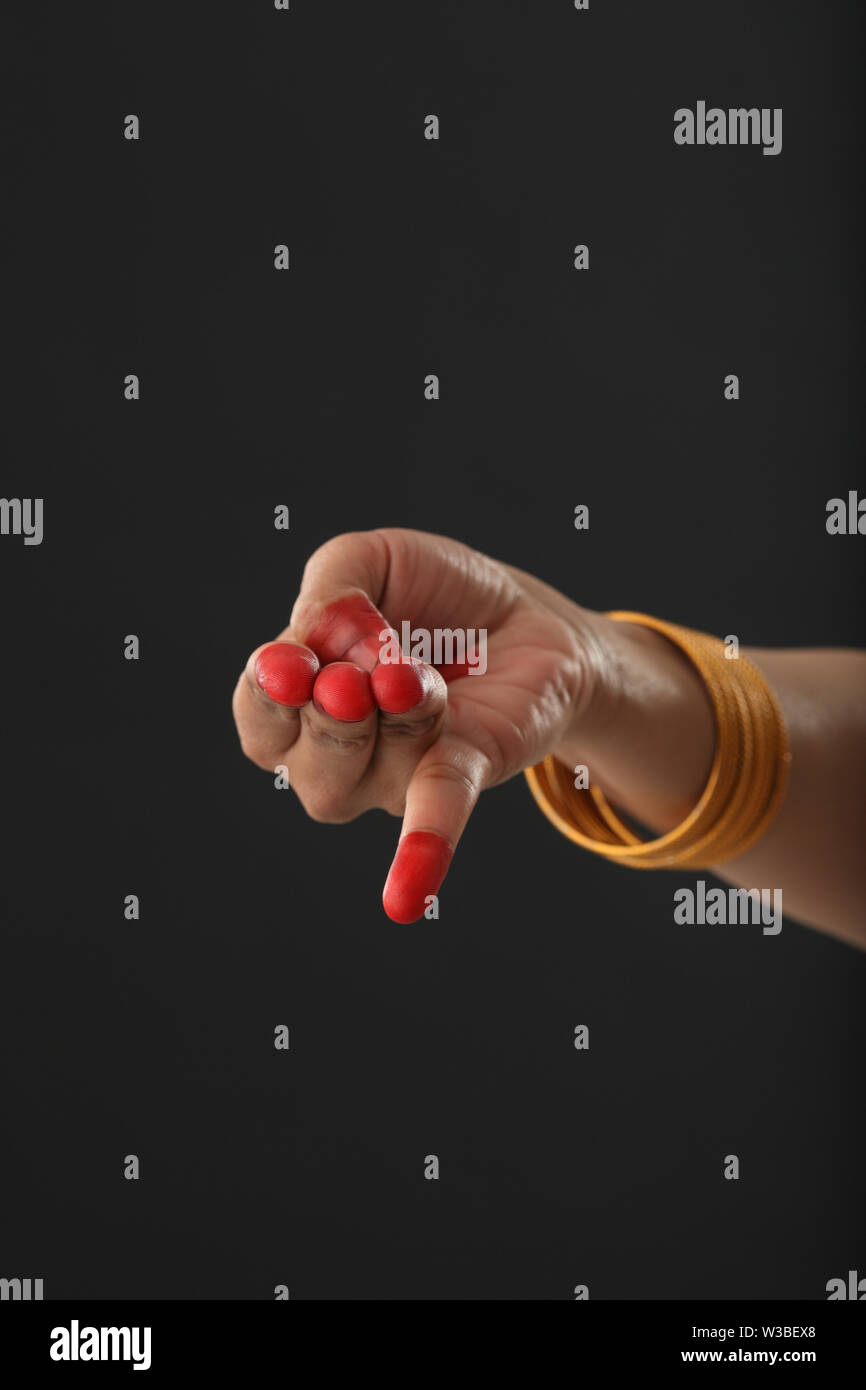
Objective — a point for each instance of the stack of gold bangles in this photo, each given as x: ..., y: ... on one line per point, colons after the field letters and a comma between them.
x: 745, y: 786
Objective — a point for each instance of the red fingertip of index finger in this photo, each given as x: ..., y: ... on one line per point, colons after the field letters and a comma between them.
x: 286, y: 671
x: 419, y: 866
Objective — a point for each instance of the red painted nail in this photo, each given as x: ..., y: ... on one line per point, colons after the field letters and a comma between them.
x: 348, y: 630
x: 420, y: 865
x: 399, y: 686
x: 286, y: 672
x: 342, y: 690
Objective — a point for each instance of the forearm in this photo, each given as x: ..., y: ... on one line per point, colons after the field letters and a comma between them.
x: 814, y: 850
x: 647, y: 738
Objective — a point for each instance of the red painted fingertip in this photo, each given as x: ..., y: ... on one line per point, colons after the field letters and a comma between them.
x: 419, y: 866
x: 349, y: 630
x: 286, y: 672
x: 399, y: 686
x: 342, y: 691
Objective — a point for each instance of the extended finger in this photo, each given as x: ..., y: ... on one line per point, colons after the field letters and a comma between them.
x: 439, y: 800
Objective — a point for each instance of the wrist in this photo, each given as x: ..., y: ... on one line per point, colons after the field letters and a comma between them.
x: 645, y: 728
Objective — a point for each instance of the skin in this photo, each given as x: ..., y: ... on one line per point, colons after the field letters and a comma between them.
x: 560, y: 679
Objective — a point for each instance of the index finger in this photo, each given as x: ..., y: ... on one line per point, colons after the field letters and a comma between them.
x: 440, y: 798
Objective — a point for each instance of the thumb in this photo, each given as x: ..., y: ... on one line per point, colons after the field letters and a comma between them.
x: 336, y: 612
x: 440, y: 798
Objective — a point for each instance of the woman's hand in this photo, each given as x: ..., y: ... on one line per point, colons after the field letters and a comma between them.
x: 616, y: 697
x: 348, y: 740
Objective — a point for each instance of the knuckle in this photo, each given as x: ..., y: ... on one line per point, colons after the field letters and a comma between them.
x: 398, y: 727
x: 326, y: 808
x: 334, y: 545
x: 257, y: 752
x: 448, y: 772
x: 342, y: 744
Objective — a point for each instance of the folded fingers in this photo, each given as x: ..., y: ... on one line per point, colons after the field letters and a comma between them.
x: 351, y: 738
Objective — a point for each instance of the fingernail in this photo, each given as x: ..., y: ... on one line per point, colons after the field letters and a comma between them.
x: 342, y: 691
x: 419, y: 866
x: 399, y: 686
x: 286, y: 672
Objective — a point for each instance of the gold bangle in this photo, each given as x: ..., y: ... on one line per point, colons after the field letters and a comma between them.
x: 744, y: 790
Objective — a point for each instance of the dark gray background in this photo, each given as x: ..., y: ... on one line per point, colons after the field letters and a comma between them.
x: 305, y: 388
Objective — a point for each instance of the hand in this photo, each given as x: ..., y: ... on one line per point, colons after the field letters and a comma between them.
x: 358, y: 732
x: 414, y: 740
